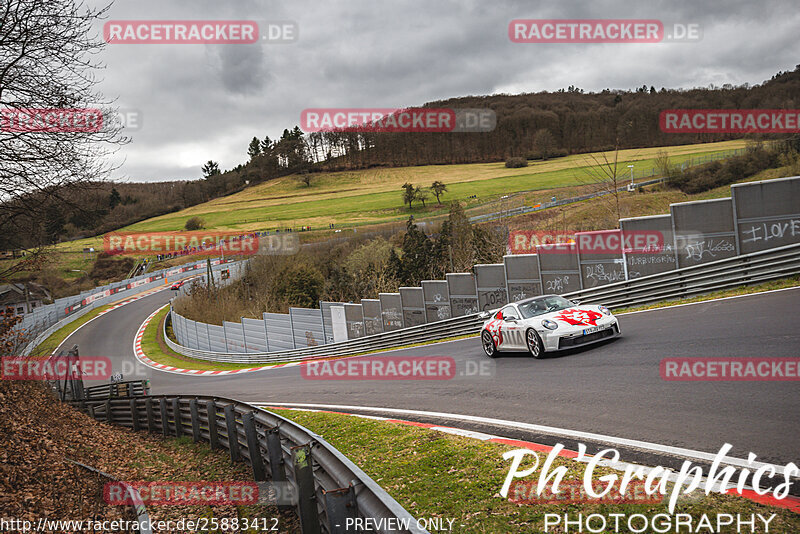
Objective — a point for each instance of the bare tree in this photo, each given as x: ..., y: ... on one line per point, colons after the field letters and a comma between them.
x: 409, y: 194
x: 666, y: 168
x: 543, y: 143
x: 603, y: 177
x: 438, y: 188
x: 47, y: 61
x: 421, y: 195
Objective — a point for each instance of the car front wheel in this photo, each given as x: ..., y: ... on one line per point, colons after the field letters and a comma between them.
x: 488, y: 344
x: 534, y: 343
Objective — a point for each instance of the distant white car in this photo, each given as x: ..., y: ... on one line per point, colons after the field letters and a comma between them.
x: 544, y: 324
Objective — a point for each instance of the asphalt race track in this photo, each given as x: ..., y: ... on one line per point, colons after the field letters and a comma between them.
x: 613, y: 389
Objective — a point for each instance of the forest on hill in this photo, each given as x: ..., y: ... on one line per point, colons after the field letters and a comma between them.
x: 533, y: 125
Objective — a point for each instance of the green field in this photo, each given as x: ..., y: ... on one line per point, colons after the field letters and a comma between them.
x: 373, y: 196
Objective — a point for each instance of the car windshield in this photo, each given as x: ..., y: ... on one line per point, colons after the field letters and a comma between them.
x: 541, y: 305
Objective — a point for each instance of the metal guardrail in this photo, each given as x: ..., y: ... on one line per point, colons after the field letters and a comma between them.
x: 45, y: 320
x: 137, y: 505
x: 69, y: 382
x: 327, y: 488
x: 131, y: 388
x: 745, y: 269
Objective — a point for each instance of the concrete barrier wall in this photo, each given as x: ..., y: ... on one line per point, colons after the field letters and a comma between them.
x: 437, y: 300
x: 354, y: 317
x: 234, y: 336
x: 279, y: 331
x: 558, y: 267
x: 766, y: 213
x: 391, y: 311
x: 704, y: 231
x: 373, y: 322
x: 216, y: 338
x: 463, y: 294
x: 522, y: 276
x: 413, y: 303
x: 597, y: 266
x: 327, y: 324
x: 255, y: 334
x: 307, y: 327
x: 645, y: 261
x: 490, y: 281
x: 339, y: 323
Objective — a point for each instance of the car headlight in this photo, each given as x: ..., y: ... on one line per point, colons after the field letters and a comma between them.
x: 550, y: 325
x: 605, y: 310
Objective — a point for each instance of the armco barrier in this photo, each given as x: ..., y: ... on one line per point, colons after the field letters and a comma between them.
x: 130, y: 388
x: 746, y: 269
x: 693, y: 234
x: 46, y: 320
x: 137, y: 507
x: 327, y: 488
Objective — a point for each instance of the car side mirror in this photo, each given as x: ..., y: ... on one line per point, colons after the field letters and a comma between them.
x: 576, y: 302
x: 484, y: 315
x: 512, y: 320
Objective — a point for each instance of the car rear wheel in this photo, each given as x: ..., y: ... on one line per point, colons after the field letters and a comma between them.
x: 534, y: 344
x: 488, y: 344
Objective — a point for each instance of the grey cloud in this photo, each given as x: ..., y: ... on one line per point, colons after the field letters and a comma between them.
x: 206, y: 102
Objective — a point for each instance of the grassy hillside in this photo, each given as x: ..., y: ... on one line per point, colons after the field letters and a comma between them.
x: 373, y: 198
x: 373, y: 195
x: 600, y: 213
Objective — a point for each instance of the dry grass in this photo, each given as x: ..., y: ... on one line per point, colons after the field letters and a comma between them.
x: 372, y: 195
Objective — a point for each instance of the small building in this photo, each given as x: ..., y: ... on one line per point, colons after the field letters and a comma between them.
x: 14, y: 296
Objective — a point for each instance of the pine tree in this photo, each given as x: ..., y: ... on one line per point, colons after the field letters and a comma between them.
x: 114, y: 199
x: 254, y: 148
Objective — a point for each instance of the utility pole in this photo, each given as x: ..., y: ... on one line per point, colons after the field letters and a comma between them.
x: 209, y: 274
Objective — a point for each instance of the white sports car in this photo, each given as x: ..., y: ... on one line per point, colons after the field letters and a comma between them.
x: 546, y: 323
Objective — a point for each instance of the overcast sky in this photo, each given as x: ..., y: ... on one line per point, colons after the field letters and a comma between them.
x: 199, y: 102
